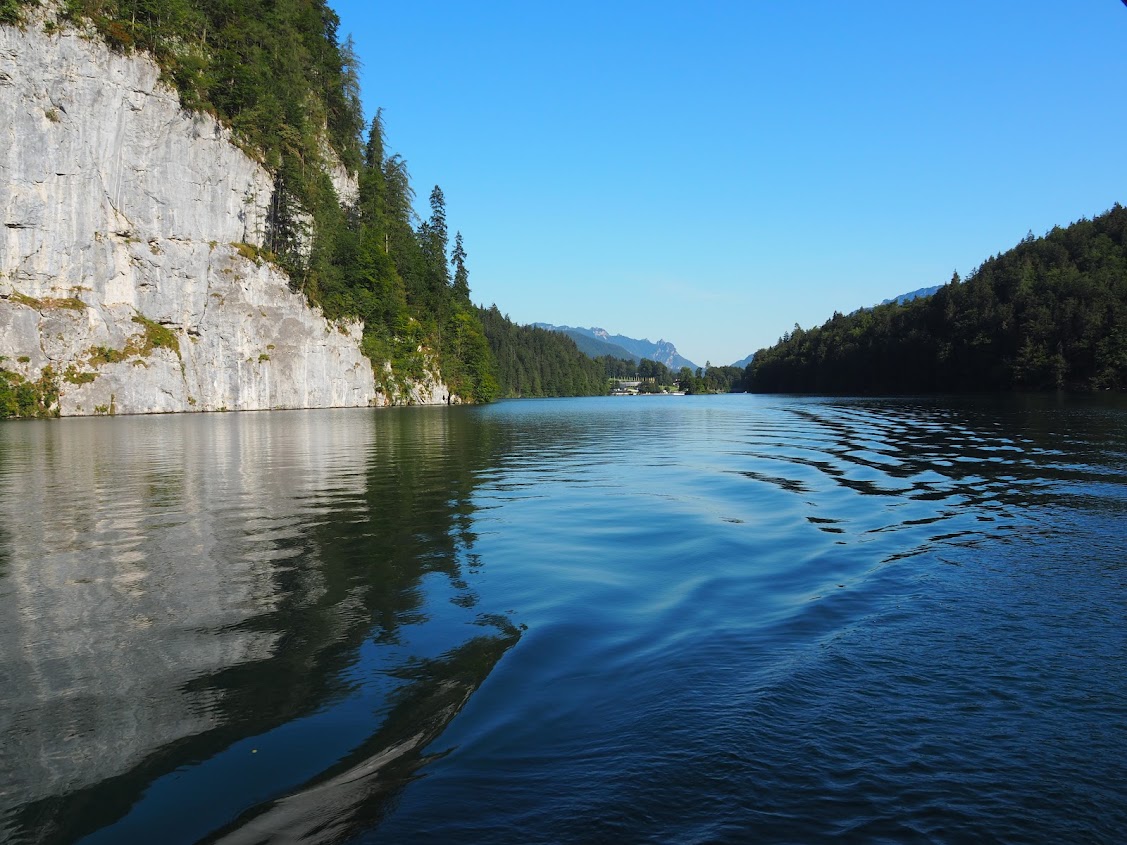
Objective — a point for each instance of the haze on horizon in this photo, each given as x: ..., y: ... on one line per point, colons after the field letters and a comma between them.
x: 713, y: 175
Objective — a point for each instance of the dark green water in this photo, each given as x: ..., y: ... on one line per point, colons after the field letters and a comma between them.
x: 677, y: 619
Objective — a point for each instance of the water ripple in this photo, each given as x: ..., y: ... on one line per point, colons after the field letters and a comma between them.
x: 694, y: 619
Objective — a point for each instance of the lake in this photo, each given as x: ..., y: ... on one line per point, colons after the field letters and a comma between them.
x: 645, y: 619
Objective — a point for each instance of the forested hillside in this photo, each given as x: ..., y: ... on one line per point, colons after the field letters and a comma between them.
x: 275, y: 72
x: 533, y: 362
x: 1051, y: 313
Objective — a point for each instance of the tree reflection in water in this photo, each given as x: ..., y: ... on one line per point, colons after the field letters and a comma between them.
x: 292, y: 586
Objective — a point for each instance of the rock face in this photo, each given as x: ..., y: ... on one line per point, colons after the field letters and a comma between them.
x: 129, y: 249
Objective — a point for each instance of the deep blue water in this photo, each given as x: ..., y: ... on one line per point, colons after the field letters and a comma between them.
x: 667, y: 619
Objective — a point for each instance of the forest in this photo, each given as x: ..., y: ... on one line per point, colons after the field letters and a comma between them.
x: 1049, y: 314
x: 534, y: 362
x: 531, y: 362
x: 657, y: 378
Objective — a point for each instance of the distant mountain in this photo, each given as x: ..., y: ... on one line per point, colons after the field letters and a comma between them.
x: 916, y: 294
x: 627, y: 347
x: 592, y: 347
x: 743, y: 362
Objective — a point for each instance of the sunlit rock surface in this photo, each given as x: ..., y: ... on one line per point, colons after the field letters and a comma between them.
x: 123, y: 216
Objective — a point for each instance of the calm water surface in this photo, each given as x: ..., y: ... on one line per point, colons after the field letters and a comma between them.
x: 677, y: 619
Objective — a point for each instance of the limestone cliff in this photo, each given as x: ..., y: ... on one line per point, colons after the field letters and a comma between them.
x: 129, y: 253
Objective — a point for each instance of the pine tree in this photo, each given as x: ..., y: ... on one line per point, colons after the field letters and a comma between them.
x: 461, y: 275
x: 373, y: 183
x: 438, y: 217
x: 434, y: 239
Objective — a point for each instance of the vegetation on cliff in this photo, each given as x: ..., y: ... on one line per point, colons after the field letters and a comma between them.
x: 22, y: 398
x: 1049, y: 314
x: 275, y: 72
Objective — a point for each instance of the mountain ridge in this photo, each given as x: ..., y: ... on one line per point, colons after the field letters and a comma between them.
x: 662, y: 351
x: 918, y: 293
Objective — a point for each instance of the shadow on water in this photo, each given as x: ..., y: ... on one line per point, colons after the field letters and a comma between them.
x: 234, y: 624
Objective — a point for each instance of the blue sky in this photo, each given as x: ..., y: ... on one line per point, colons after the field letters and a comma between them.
x: 713, y: 173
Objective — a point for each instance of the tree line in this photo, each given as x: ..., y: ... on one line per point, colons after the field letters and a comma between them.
x: 531, y: 362
x: 1049, y: 314
x: 656, y: 377
x: 710, y: 379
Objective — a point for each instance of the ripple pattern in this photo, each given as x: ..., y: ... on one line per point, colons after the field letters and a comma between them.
x: 795, y: 620
x: 697, y: 619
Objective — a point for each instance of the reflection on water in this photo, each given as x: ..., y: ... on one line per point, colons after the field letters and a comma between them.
x: 174, y: 584
x: 674, y: 619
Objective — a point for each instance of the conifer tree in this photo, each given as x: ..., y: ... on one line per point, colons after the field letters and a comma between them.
x: 438, y: 217
x: 461, y: 275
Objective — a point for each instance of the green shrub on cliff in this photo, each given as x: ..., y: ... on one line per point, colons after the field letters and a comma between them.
x: 22, y: 398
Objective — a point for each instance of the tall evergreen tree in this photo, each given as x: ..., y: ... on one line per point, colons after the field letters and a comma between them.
x: 438, y: 218
x: 433, y: 240
x: 373, y: 199
x: 461, y: 275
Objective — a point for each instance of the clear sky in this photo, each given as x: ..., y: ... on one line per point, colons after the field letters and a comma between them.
x: 712, y: 173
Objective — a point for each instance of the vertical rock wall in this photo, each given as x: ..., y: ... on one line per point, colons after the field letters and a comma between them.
x: 128, y: 248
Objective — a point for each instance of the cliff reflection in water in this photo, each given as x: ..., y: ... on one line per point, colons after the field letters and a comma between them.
x: 250, y: 605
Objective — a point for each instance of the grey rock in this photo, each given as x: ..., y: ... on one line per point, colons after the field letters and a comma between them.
x: 120, y: 211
